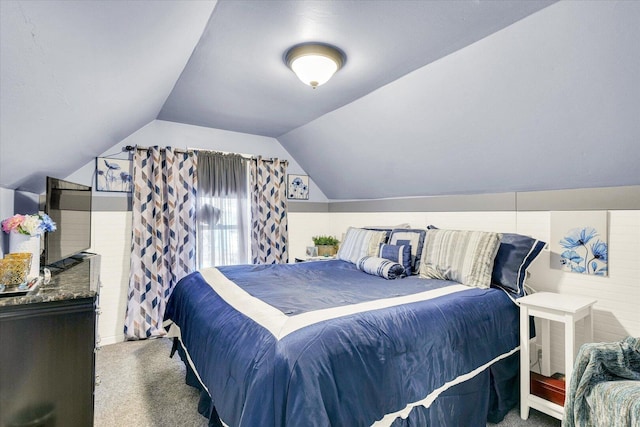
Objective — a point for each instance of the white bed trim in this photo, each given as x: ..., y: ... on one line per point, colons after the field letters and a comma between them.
x: 280, y: 325
x: 431, y: 397
x: 193, y: 367
x: 388, y: 419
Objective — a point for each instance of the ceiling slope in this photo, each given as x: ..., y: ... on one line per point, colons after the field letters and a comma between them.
x: 551, y: 102
x: 78, y: 77
x: 236, y: 78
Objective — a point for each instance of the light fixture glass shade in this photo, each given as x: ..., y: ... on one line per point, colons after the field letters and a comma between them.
x: 314, y: 70
x: 314, y: 64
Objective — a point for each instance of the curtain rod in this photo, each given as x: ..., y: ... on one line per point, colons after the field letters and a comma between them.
x: 192, y: 150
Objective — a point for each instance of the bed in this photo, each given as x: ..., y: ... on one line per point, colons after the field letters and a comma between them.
x: 277, y: 345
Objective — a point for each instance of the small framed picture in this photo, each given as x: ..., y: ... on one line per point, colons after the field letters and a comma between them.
x: 580, y: 242
x: 312, y: 251
x: 297, y: 187
x: 114, y: 175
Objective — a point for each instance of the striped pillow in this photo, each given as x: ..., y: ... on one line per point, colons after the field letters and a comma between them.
x: 359, y: 242
x: 413, y: 238
x: 380, y: 267
x: 462, y: 256
x: 398, y: 253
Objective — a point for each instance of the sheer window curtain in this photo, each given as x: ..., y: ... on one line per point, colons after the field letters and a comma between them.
x: 223, y: 210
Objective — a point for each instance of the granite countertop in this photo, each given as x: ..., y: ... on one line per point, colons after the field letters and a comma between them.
x: 75, y: 281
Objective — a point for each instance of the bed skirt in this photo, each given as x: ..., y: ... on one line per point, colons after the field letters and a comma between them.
x: 487, y: 397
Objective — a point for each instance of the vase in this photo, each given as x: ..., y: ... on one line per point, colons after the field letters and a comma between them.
x: 22, y: 243
x: 326, y: 250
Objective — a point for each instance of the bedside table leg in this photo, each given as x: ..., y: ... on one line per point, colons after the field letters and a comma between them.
x: 524, y: 363
x: 588, y: 324
x: 545, y: 334
x: 569, y: 347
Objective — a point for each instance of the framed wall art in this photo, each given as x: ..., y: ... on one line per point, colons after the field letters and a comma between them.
x: 297, y: 187
x: 114, y: 175
x: 580, y: 243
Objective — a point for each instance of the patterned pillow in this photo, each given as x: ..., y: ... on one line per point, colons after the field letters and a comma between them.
x: 380, y: 267
x: 398, y: 253
x: 413, y: 238
x: 386, y: 231
x: 359, y: 242
x: 462, y: 256
x: 515, y: 254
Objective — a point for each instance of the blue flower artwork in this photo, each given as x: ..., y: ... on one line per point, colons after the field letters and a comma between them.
x: 298, y: 187
x: 582, y: 249
x: 114, y: 175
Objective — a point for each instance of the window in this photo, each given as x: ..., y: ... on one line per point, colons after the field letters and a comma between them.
x: 223, y: 210
x: 225, y: 236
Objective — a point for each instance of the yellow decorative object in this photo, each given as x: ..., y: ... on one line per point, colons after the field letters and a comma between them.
x: 20, y: 255
x: 14, y: 269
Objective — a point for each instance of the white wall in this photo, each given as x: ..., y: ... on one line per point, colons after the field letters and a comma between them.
x: 6, y: 210
x: 616, y: 314
x: 111, y: 238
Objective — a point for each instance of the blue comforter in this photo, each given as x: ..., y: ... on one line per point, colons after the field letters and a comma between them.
x: 321, y: 343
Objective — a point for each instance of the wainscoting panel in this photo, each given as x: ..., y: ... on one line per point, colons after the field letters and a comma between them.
x: 111, y: 238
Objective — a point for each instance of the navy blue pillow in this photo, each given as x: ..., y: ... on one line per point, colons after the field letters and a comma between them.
x: 397, y: 253
x: 515, y: 254
x: 380, y: 267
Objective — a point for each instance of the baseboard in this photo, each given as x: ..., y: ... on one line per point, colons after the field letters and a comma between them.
x: 112, y: 339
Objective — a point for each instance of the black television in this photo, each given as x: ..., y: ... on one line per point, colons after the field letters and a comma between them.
x: 69, y: 206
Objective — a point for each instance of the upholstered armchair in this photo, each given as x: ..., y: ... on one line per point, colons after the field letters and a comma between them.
x: 605, y: 386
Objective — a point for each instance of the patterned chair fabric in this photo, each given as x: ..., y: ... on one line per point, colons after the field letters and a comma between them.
x: 605, y: 386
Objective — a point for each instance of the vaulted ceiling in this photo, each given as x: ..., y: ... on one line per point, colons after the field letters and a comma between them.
x: 78, y: 77
x: 236, y: 78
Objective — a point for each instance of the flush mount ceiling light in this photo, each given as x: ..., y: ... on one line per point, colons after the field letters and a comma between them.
x: 314, y: 63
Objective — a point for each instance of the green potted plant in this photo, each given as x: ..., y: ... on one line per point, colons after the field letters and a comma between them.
x: 327, y: 245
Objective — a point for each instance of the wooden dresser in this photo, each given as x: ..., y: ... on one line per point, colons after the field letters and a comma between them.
x: 47, y: 349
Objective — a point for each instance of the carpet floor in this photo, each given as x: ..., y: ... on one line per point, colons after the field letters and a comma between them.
x: 140, y: 386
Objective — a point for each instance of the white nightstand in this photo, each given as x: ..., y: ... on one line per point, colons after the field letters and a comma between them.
x: 548, y: 306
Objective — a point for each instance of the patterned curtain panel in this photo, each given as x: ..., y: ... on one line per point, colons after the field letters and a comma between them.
x: 163, y: 248
x: 269, y: 235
